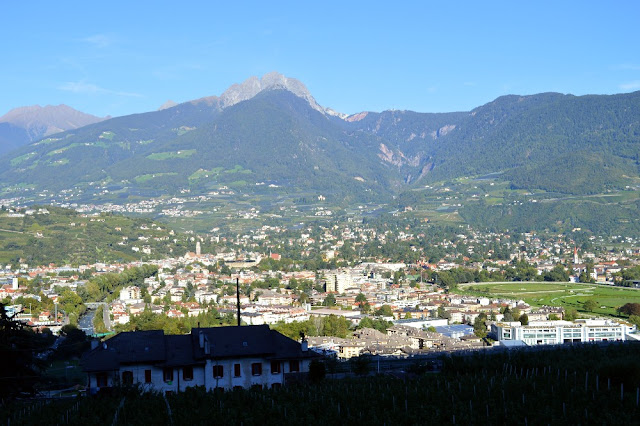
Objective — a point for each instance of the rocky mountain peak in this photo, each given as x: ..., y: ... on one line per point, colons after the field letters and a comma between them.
x: 270, y: 81
x: 167, y: 105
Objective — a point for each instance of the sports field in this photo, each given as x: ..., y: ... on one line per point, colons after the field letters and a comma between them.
x: 566, y: 295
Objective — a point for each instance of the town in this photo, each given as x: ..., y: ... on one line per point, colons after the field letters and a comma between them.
x: 382, y: 305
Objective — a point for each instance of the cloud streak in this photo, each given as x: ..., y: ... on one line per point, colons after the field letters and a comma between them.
x: 84, y: 88
x: 99, y: 40
x: 632, y: 85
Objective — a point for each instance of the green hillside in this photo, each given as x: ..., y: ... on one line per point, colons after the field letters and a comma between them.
x: 47, y: 234
x: 557, y: 148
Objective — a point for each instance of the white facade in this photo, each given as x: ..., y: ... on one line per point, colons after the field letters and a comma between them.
x: 130, y: 293
x: 177, y: 379
x: 338, y: 283
x: 558, y: 332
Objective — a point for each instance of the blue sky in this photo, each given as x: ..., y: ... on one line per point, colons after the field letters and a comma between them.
x: 120, y: 58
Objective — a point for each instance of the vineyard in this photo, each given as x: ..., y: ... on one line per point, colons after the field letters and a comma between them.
x: 586, y: 384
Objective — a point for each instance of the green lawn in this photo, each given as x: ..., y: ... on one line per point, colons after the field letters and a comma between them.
x: 566, y: 295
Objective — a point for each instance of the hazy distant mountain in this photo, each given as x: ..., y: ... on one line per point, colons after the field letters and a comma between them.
x: 168, y: 104
x: 272, y: 131
x: 31, y: 123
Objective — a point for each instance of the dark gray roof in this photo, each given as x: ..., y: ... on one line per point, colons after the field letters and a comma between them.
x: 153, y: 347
x: 126, y: 348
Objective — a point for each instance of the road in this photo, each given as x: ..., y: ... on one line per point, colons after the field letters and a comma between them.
x: 85, y: 322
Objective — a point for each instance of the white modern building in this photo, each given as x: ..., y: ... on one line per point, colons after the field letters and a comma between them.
x: 128, y: 294
x: 338, y: 283
x: 558, y: 332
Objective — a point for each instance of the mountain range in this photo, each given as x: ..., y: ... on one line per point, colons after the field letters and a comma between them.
x: 23, y: 125
x: 270, y: 130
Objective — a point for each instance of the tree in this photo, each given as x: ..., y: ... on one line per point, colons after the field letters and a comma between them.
x: 508, y: 316
x: 361, y: 298
x: 330, y: 300
x: 570, y: 314
x: 366, y: 322
x: 635, y: 319
x: 524, y: 319
x: 558, y: 273
x: 74, y: 344
x: 589, y: 305
x: 360, y: 365
x: 443, y: 313
x: 384, y: 311
x: 515, y: 313
x: 19, y: 369
x: 630, y: 309
x: 480, y: 325
x: 317, y: 371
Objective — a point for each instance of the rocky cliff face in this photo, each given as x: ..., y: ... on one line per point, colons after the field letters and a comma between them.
x: 271, y: 81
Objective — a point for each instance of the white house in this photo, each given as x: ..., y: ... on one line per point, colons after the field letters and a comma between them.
x: 216, y: 358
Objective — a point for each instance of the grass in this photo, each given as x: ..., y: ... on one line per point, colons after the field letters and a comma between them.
x: 175, y: 154
x: 68, y: 371
x: 182, y: 130
x: 204, y: 174
x: 148, y: 177
x: 107, y: 135
x: 566, y: 295
x: 47, y: 141
x: 22, y: 158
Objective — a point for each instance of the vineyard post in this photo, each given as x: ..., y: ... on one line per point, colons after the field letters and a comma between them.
x: 621, y: 391
x: 586, y: 380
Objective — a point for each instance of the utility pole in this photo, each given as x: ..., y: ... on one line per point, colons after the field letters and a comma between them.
x: 238, y: 298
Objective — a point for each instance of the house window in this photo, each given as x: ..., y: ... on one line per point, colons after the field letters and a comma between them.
x: 218, y: 371
x: 127, y: 377
x: 147, y: 376
x: 256, y: 368
x: 294, y: 366
x: 236, y: 370
x: 275, y: 367
x: 187, y: 373
x: 167, y: 374
x: 101, y: 380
